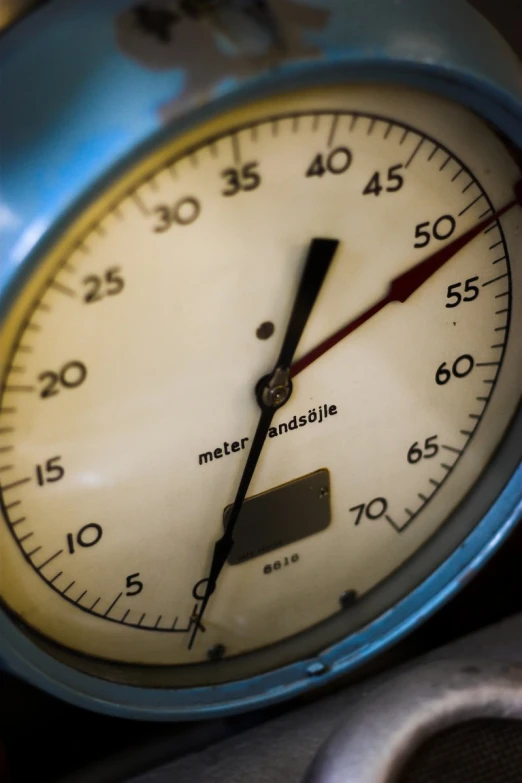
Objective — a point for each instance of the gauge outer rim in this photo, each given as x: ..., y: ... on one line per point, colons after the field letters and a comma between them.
x: 447, y: 76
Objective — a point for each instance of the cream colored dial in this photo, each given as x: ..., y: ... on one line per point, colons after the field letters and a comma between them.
x: 128, y: 403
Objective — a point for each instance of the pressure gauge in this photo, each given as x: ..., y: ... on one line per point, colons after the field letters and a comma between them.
x: 261, y: 365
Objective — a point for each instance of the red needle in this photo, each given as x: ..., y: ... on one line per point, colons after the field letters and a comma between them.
x: 402, y: 287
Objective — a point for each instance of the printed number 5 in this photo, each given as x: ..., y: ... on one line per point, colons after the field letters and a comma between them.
x: 133, y: 584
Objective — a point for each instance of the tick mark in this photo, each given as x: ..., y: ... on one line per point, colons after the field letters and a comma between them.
x: 63, y: 289
x: 139, y: 203
x: 451, y: 448
x: 157, y: 621
x: 502, y: 258
x: 49, y: 559
x: 435, y: 483
x: 333, y: 128
x: 445, y: 466
x: 454, y: 177
x: 466, y: 433
x: 494, y: 280
x: 415, y: 151
x: 235, y: 149
x: 55, y: 577
x: 13, y: 504
x: 141, y: 619
x: 388, y: 518
x: 113, y: 604
x: 125, y: 616
x: 10, y: 387
x: 15, y: 484
x: 69, y: 587
x: 463, y: 211
x: 94, y: 604
x: 80, y: 245
x: 487, y: 364
x: 80, y: 597
x: 441, y: 168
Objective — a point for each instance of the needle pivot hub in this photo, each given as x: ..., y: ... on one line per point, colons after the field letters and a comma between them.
x: 275, y: 389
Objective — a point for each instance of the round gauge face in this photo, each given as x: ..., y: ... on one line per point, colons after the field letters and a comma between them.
x: 129, y: 406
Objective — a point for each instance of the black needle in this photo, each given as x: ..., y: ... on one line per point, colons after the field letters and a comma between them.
x: 272, y: 392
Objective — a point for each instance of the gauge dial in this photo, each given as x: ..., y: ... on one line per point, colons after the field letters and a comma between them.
x: 129, y: 401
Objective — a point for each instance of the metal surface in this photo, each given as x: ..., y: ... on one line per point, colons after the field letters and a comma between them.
x: 81, y: 103
x: 374, y: 745
x: 282, y: 750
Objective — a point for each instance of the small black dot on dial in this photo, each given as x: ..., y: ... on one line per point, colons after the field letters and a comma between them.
x: 216, y: 652
x: 265, y: 331
x: 348, y: 598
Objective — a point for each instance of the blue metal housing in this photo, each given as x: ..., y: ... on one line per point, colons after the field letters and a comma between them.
x: 82, y: 97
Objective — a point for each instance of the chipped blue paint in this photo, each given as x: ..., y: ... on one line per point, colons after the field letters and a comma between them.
x: 77, y: 109
x: 69, y: 109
